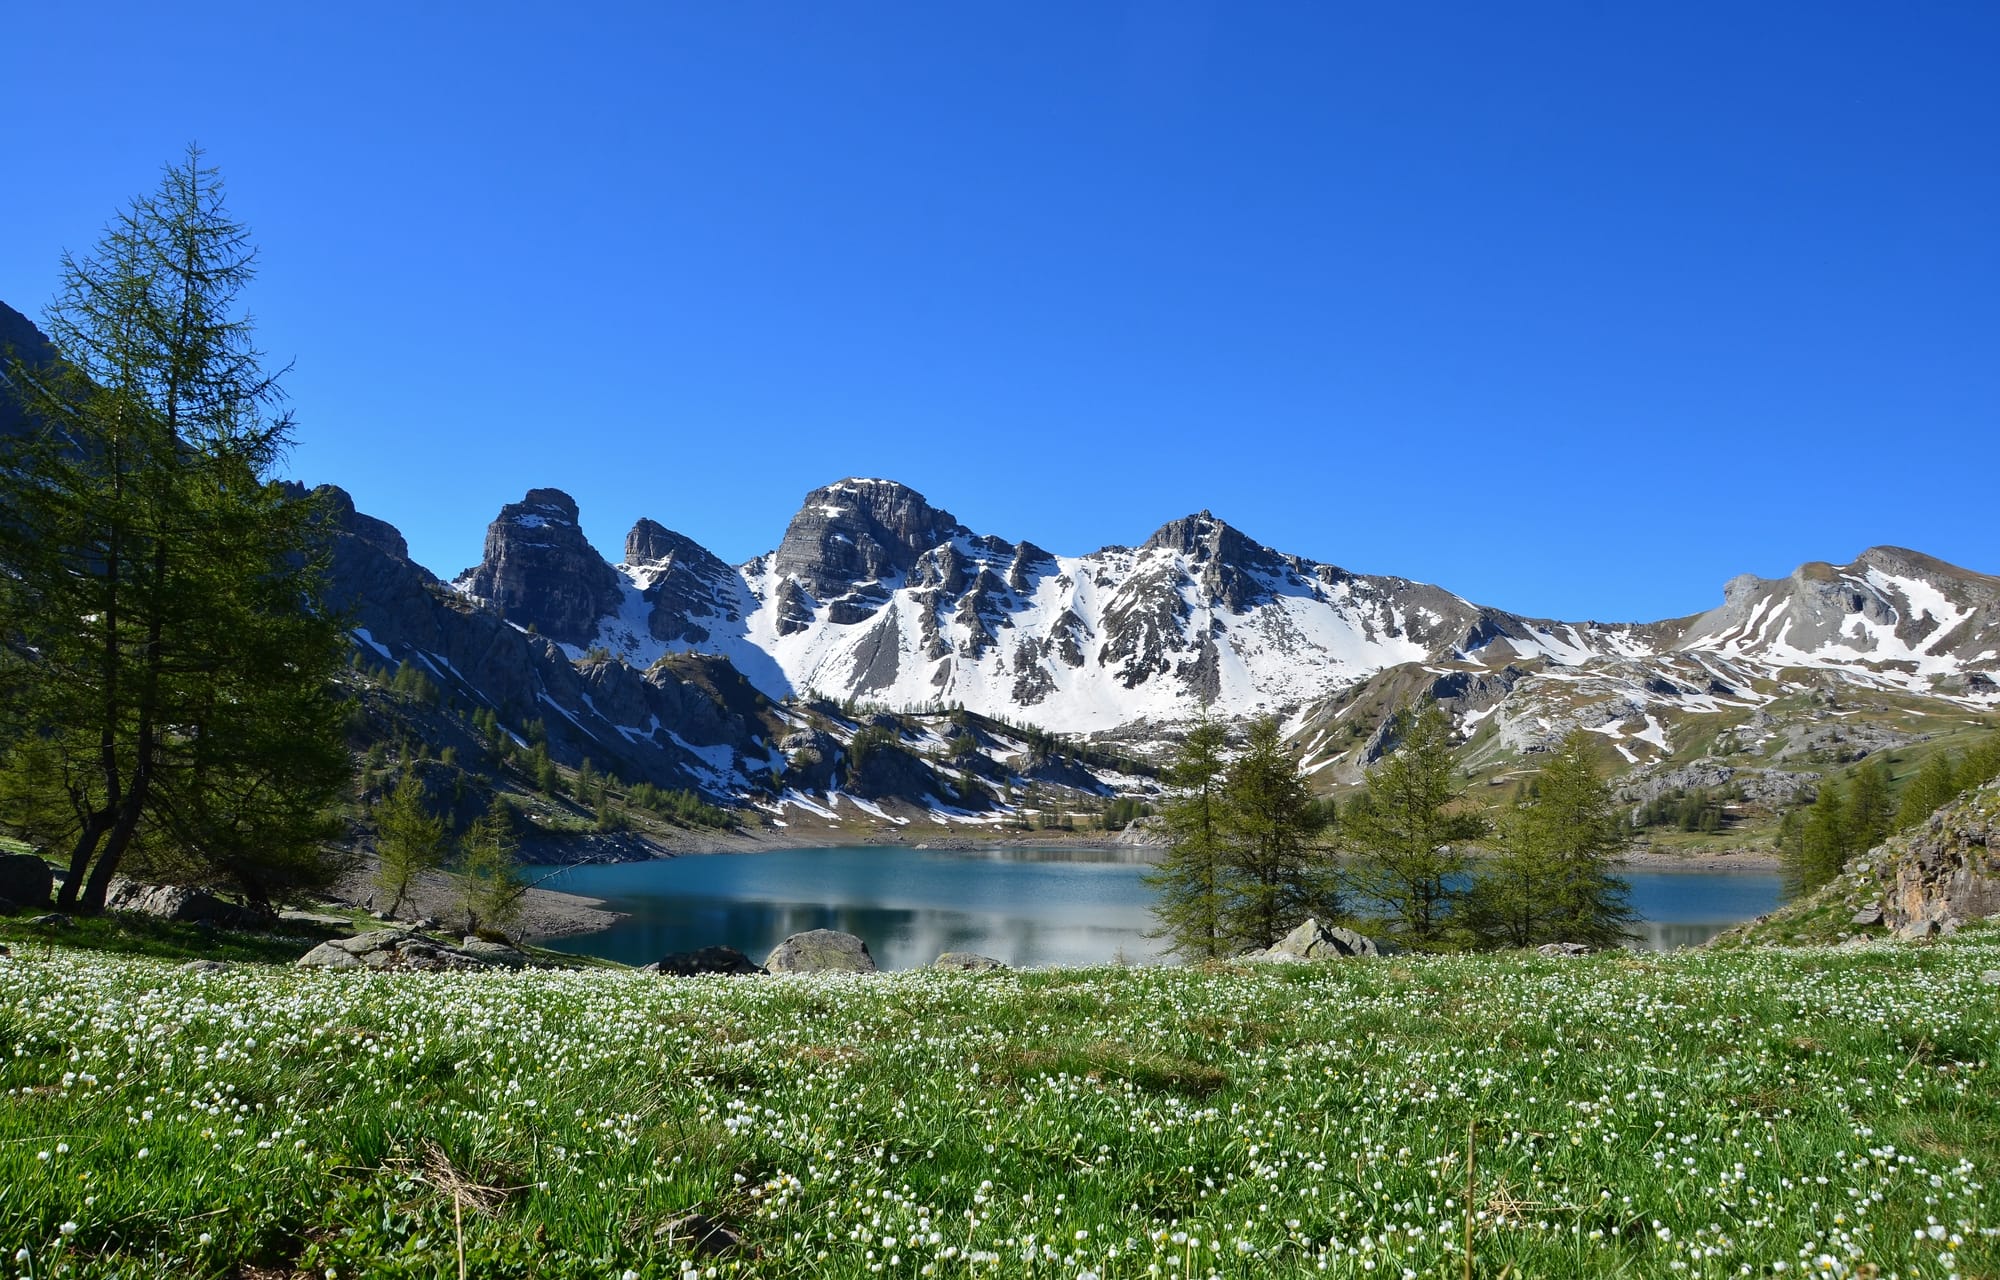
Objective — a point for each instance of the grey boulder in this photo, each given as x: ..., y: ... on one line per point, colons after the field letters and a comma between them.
x: 1562, y: 949
x: 968, y: 960
x: 497, y: 953
x: 1315, y: 941
x: 821, y: 951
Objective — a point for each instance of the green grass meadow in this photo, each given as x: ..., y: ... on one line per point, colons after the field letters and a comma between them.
x: 1755, y: 1112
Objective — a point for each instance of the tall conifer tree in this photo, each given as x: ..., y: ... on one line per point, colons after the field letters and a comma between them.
x: 159, y: 614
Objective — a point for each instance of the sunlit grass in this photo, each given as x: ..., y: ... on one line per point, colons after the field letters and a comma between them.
x: 1698, y: 1114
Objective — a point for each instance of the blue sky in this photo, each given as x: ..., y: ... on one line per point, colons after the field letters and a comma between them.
x: 1574, y: 309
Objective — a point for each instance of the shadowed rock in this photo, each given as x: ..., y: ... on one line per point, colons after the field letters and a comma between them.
x: 693, y: 964
x: 25, y: 880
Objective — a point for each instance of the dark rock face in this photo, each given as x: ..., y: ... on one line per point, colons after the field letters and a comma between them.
x: 821, y: 951
x: 19, y: 340
x: 25, y: 880
x: 860, y: 531
x: 538, y: 570
x: 1232, y: 566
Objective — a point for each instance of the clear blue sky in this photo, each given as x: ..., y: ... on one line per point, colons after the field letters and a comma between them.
x: 1575, y: 309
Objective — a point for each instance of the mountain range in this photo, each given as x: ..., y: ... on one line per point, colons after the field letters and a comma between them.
x: 874, y: 597
x: 679, y: 668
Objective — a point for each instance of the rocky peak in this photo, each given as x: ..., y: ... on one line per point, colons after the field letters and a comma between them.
x: 1226, y: 559
x: 380, y: 534
x: 539, y: 570
x: 857, y: 531
x: 683, y: 581
x: 652, y: 545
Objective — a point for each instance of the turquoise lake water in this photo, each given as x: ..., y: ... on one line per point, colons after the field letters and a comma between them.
x: 1027, y: 907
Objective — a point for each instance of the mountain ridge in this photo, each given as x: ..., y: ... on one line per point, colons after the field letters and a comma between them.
x: 875, y: 592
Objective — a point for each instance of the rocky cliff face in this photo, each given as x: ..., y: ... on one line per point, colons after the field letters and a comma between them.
x: 539, y: 571
x: 679, y: 583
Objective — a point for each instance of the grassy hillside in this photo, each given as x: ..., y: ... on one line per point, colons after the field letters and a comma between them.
x: 1689, y: 1114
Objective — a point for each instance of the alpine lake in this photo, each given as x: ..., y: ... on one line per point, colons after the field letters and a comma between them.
x: 1028, y: 907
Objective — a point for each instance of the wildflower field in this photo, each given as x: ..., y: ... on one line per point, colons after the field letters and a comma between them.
x: 1753, y: 1112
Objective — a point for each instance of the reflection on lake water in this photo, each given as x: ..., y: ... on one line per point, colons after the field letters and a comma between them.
x: 1027, y: 907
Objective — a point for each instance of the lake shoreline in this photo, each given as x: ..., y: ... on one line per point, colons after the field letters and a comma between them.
x: 553, y: 914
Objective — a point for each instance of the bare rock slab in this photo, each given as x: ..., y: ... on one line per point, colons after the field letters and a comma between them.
x: 970, y: 961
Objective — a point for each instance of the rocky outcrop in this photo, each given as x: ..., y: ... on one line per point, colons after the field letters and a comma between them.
x: 967, y: 961
x: 707, y: 960
x: 408, y: 950
x: 1762, y: 786
x: 1945, y: 872
x: 821, y: 951
x: 1315, y: 941
x: 539, y: 570
x: 25, y: 880
x: 1890, y: 605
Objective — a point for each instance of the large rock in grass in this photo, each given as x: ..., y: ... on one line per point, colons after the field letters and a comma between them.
x: 1315, y: 941
x: 25, y: 880
x: 406, y: 950
x: 177, y: 902
x: 970, y: 961
x: 821, y: 951
x: 694, y: 964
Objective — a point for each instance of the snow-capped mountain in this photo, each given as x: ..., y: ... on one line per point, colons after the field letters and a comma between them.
x: 875, y: 594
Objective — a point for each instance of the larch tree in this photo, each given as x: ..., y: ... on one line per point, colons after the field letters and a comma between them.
x: 165, y: 650
x: 489, y: 874
x: 409, y: 840
x: 1278, y: 873
x: 1554, y: 879
x: 1191, y: 878
x: 1404, y: 832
